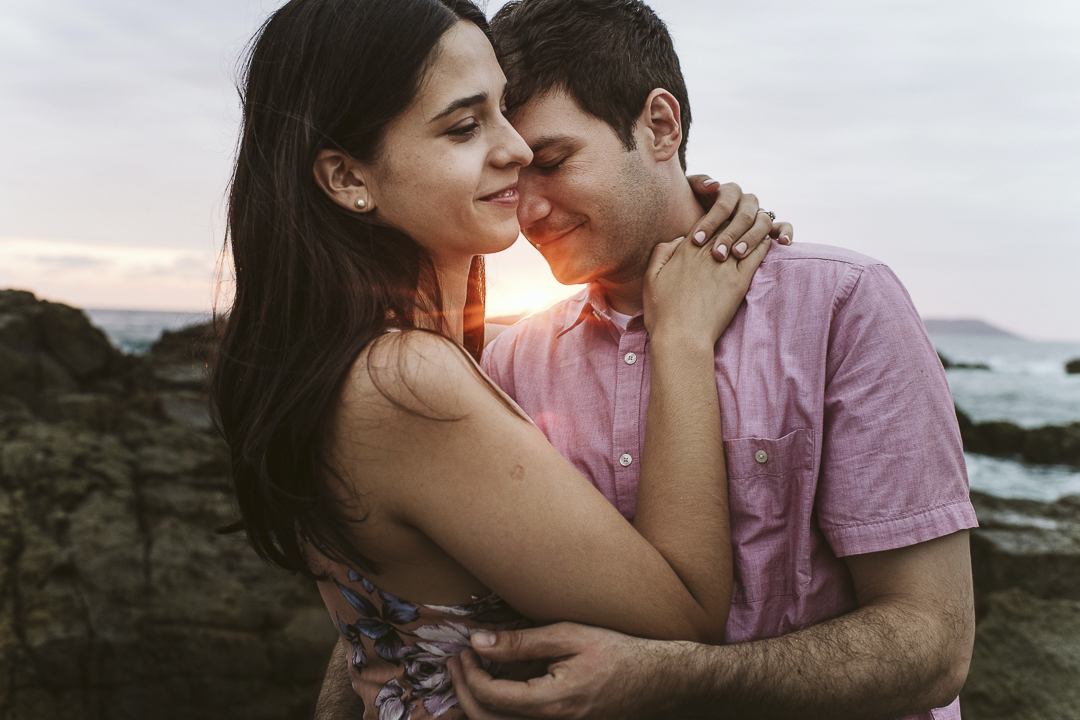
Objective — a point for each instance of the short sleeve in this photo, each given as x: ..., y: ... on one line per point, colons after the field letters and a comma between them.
x: 892, y: 466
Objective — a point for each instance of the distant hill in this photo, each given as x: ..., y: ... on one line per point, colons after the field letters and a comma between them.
x: 967, y: 326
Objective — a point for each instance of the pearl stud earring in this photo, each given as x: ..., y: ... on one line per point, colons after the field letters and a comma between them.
x: 361, y: 204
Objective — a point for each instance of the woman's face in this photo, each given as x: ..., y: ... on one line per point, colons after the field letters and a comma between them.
x: 448, y: 172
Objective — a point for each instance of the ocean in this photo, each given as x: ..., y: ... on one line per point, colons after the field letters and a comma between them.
x: 134, y: 331
x: 1026, y: 384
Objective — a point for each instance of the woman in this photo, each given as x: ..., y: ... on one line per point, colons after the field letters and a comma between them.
x: 368, y: 450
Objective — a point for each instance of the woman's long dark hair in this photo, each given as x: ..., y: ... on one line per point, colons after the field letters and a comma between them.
x: 316, y: 283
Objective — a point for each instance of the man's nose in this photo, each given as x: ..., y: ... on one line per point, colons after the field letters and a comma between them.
x: 533, y: 206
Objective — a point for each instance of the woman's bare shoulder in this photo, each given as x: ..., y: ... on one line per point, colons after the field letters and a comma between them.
x: 413, y: 374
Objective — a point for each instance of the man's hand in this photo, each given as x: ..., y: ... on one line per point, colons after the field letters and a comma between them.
x: 594, y: 673
x: 737, y: 218
x: 904, y: 651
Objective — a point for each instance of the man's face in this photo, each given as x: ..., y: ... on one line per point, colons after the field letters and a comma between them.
x: 588, y: 205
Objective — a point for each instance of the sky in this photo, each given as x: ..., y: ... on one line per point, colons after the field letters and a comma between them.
x: 940, y: 138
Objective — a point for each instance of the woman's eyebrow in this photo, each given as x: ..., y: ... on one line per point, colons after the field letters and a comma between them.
x: 464, y: 102
x: 461, y: 103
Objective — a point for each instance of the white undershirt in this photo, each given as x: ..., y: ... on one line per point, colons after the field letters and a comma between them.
x: 619, y: 319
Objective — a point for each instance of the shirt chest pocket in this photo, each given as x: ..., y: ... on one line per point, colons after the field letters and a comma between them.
x: 771, y: 492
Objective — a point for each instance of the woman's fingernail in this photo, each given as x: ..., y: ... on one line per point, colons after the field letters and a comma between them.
x: 722, y: 251
x: 483, y: 639
x: 709, y: 182
x: 785, y: 239
x: 699, y: 237
x: 740, y: 249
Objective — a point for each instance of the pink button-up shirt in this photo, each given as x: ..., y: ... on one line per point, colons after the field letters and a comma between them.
x: 839, y: 429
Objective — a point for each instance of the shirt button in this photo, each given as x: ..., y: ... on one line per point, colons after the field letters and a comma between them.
x: 625, y: 460
x: 761, y: 456
x: 630, y: 358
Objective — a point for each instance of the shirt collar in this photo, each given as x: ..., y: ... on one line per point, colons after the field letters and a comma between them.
x: 590, y: 302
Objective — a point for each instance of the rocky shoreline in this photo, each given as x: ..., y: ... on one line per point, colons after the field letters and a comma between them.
x: 118, y: 600
x: 1047, y: 445
x: 1025, y: 559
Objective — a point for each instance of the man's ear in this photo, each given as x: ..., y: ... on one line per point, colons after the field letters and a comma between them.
x: 661, y: 121
x: 341, y: 177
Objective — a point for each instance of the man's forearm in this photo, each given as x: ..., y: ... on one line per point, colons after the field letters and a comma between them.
x: 880, y: 661
x: 337, y: 701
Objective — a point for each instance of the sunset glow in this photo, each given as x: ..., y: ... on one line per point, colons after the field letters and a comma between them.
x: 166, y: 278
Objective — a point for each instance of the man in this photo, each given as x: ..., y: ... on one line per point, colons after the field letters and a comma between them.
x: 848, y: 494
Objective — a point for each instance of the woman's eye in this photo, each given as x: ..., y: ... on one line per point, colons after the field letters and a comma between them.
x: 466, y: 130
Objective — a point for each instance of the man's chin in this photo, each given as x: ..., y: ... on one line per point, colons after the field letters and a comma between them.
x: 568, y: 273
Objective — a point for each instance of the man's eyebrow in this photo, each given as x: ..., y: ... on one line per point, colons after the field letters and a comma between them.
x: 545, y: 141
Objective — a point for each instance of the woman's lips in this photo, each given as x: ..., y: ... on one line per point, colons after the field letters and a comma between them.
x: 507, y: 196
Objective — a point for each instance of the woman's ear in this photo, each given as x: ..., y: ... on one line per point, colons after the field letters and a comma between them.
x: 342, y: 179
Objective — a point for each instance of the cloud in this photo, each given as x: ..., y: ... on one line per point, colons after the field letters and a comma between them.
x: 941, y: 139
x: 111, y: 276
x: 70, y: 262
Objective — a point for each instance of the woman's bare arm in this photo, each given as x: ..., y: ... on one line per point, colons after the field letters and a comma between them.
x: 444, y: 454
x: 682, y: 503
x: 490, y: 491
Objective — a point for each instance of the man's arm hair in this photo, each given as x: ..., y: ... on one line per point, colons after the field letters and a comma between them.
x: 904, y: 651
x: 337, y: 701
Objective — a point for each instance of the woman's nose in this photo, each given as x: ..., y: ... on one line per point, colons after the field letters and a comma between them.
x: 512, y: 149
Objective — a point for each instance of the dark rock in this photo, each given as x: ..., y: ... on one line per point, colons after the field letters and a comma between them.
x: 194, y: 343
x: 1048, y: 445
x: 963, y: 420
x: 969, y: 366
x: 181, y: 360
x: 119, y: 600
x: 188, y: 376
x: 48, y: 347
x: 117, y: 597
x: 1025, y: 558
x: 15, y: 299
x: 118, y: 593
x: 66, y: 333
x: 1026, y: 660
x: 950, y: 365
x: 1073, y: 367
x: 1026, y: 544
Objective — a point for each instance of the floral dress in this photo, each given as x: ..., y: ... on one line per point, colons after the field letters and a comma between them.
x: 399, y: 650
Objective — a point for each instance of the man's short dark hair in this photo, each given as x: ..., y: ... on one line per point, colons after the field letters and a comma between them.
x: 608, y: 55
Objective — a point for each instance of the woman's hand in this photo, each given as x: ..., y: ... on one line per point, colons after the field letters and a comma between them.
x: 689, y: 299
x: 735, y: 215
